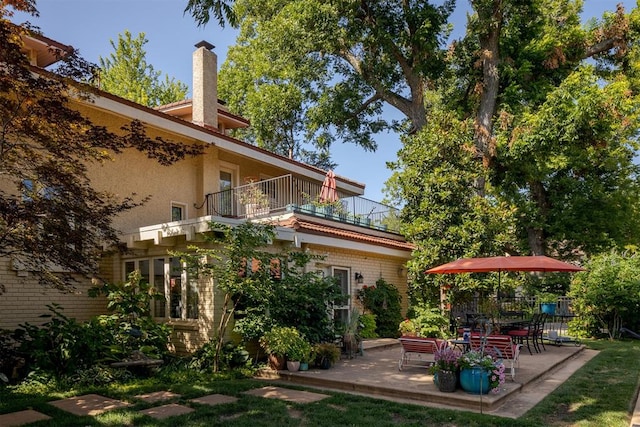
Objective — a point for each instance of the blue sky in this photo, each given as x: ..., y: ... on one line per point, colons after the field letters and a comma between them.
x: 88, y: 25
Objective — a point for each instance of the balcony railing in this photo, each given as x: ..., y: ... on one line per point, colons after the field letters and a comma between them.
x: 290, y: 194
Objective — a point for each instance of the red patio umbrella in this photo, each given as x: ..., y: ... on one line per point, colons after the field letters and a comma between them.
x: 504, y: 263
x: 328, y: 193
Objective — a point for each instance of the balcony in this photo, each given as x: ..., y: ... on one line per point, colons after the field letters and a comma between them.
x: 287, y: 193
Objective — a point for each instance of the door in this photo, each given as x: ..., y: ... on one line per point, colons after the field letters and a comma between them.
x: 225, y: 202
x: 341, y: 312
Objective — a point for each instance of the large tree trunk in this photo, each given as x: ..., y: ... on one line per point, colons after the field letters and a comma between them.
x: 491, y: 21
x: 536, y: 236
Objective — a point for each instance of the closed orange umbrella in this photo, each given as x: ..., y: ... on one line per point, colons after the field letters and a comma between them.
x: 328, y: 193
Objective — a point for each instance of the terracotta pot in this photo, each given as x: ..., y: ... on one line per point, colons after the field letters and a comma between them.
x: 276, y: 362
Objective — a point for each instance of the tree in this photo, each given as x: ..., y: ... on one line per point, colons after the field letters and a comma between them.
x: 606, y: 296
x: 508, y: 74
x: 51, y: 217
x: 260, y: 287
x: 126, y: 73
x: 324, y: 70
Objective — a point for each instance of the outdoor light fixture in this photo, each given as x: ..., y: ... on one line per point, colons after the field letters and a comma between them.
x: 359, y: 278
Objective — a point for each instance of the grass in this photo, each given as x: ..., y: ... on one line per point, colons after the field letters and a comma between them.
x: 601, y: 393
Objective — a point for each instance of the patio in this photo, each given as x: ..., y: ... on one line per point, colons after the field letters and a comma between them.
x: 376, y: 373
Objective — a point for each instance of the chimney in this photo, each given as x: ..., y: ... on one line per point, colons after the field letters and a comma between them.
x: 205, y: 86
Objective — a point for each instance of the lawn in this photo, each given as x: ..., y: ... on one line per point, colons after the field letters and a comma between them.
x: 602, y: 393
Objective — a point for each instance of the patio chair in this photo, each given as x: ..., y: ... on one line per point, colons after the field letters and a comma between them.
x: 527, y: 333
x: 540, y: 331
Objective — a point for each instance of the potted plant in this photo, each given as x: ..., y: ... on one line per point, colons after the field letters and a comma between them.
x: 306, y: 355
x: 254, y: 200
x: 408, y: 328
x: 480, y: 372
x: 297, y: 351
x: 445, y: 368
x: 351, y: 337
x: 277, y: 343
x: 326, y: 355
x: 548, y: 302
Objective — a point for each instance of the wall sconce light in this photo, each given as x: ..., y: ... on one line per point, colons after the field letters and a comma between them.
x: 402, y: 272
x: 359, y: 278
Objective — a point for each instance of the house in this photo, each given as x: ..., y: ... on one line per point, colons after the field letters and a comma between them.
x: 231, y: 182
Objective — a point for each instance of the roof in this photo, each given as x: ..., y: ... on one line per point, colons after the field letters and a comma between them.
x: 315, y: 228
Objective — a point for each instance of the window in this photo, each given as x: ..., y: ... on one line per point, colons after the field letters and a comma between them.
x: 178, y: 211
x: 180, y: 298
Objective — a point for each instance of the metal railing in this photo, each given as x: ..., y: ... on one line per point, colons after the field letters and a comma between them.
x: 288, y: 193
x: 509, y: 307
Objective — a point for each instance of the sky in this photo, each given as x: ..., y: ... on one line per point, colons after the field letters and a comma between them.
x: 89, y: 25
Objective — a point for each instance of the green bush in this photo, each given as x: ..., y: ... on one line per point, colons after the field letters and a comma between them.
x: 62, y: 345
x: 607, y: 295
x: 383, y: 300
x: 429, y: 321
x: 368, y: 321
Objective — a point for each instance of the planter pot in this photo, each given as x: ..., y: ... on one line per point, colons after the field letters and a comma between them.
x: 293, y: 366
x: 324, y: 363
x: 548, y: 308
x: 474, y: 380
x: 304, y: 366
x: 447, y: 381
x: 276, y: 362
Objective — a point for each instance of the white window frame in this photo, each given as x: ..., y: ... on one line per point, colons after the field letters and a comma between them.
x: 166, y: 274
x: 183, y: 208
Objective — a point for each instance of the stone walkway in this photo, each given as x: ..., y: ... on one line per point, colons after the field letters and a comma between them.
x: 94, y: 404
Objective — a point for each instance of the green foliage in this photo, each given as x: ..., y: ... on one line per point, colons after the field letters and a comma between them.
x: 62, y: 345
x: 326, y: 352
x: 607, y: 295
x: 284, y: 341
x: 232, y: 357
x: 383, y: 301
x: 444, y: 216
x: 274, y: 289
x: 131, y: 327
x: 429, y: 321
x: 368, y: 321
x: 126, y: 73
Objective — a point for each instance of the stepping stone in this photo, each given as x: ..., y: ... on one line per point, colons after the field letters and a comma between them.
x: 157, y: 396
x: 166, y: 411
x: 286, y: 394
x: 15, y: 419
x: 89, y: 404
x: 214, y: 399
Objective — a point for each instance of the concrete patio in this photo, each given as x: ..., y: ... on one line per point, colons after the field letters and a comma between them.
x: 376, y: 374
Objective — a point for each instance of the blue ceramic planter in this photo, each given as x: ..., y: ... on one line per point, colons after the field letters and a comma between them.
x: 474, y: 380
x: 548, y: 307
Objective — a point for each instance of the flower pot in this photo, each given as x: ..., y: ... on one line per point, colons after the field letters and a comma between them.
x: 304, y: 366
x: 447, y: 381
x: 325, y: 363
x: 276, y: 362
x: 548, y: 308
x: 293, y: 366
x: 474, y: 380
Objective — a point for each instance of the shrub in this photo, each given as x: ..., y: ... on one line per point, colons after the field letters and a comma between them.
x: 368, y: 321
x: 429, y: 321
x: 383, y: 300
x: 606, y: 296
x: 62, y: 345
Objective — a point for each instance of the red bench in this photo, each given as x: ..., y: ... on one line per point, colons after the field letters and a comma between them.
x: 500, y: 347
x: 413, y: 348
